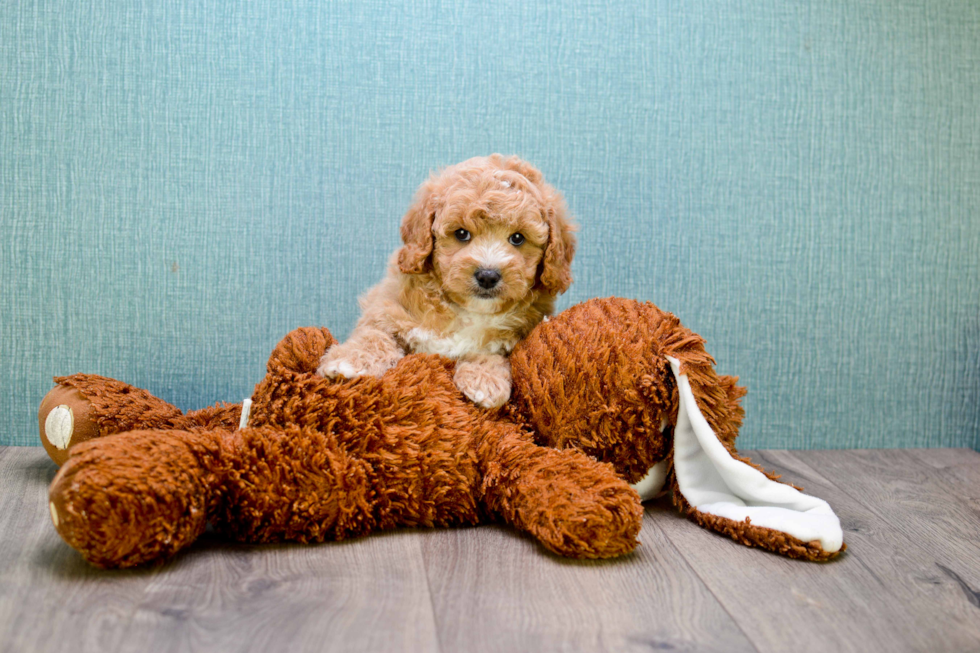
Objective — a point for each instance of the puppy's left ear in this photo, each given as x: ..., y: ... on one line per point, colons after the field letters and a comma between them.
x: 413, y: 257
x: 556, y: 265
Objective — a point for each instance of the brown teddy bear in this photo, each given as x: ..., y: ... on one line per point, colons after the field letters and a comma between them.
x: 607, y: 394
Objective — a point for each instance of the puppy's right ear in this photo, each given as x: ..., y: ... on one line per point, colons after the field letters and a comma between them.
x: 414, y: 256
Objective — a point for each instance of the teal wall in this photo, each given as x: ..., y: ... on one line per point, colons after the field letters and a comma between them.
x: 181, y: 183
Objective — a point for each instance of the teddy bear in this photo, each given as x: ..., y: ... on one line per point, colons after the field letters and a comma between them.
x: 613, y: 402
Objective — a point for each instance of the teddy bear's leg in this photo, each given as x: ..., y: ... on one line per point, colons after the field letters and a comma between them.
x: 135, y: 497
x: 141, y: 496
x: 85, y: 406
x: 572, y: 504
x: 298, y: 484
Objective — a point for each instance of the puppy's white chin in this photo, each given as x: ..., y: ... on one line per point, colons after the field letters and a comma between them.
x: 483, y: 306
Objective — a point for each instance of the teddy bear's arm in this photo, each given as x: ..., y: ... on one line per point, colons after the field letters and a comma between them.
x: 572, y: 504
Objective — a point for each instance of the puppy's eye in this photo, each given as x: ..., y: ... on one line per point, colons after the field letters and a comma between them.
x: 462, y: 235
x: 516, y: 240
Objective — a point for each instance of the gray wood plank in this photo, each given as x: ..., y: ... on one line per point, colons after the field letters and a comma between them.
x: 908, y: 582
x: 369, y: 594
x: 950, y: 457
x: 934, y: 603
x: 363, y: 595
x: 50, y: 600
x: 960, y: 472
x: 841, y: 605
x: 916, y: 499
x: 496, y: 590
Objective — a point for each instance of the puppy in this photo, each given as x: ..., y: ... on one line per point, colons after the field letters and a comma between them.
x: 487, y: 247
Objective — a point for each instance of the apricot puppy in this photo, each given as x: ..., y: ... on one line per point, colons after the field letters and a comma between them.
x: 488, y: 247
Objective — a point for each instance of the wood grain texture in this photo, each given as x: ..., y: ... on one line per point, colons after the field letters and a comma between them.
x: 494, y: 590
x: 959, y: 472
x: 920, y: 501
x: 368, y: 594
x: 856, y: 602
x: 907, y: 582
x: 895, y: 576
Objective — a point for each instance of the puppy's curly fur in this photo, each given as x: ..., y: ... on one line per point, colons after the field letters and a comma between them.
x: 488, y: 246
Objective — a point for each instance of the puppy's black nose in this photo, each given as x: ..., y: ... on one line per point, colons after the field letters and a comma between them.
x: 487, y: 278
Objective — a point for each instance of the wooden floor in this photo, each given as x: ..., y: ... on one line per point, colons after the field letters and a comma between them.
x: 909, y: 581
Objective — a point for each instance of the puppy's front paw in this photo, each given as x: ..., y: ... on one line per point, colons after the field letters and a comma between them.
x: 339, y: 368
x: 485, y: 385
x: 342, y: 362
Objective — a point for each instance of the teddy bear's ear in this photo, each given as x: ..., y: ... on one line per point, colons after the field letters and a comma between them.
x: 414, y: 256
x: 724, y: 493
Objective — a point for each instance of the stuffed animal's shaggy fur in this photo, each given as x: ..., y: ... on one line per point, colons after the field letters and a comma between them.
x: 594, y: 407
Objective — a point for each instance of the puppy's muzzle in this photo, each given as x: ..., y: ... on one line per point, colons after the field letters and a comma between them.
x: 486, y: 278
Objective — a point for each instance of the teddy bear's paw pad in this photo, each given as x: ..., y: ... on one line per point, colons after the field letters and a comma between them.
x: 65, y: 419
x: 59, y: 426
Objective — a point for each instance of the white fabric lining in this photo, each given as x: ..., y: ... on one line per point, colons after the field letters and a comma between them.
x: 651, y: 485
x: 715, y: 483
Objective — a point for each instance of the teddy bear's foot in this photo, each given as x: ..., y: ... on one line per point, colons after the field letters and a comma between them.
x: 86, y: 406
x: 574, y: 505
x: 135, y: 497
x: 603, y: 524
x: 64, y: 418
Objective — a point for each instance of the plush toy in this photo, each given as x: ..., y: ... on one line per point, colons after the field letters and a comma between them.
x: 607, y: 394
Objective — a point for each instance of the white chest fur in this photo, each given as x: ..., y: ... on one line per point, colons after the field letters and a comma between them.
x: 467, y: 336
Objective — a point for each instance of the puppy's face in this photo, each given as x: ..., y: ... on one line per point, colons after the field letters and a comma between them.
x: 486, y: 253
x: 491, y: 233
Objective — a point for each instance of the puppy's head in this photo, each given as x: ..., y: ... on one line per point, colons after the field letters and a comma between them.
x: 491, y: 231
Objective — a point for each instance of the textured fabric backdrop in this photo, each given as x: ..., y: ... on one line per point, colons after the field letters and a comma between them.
x: 181, y: 183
